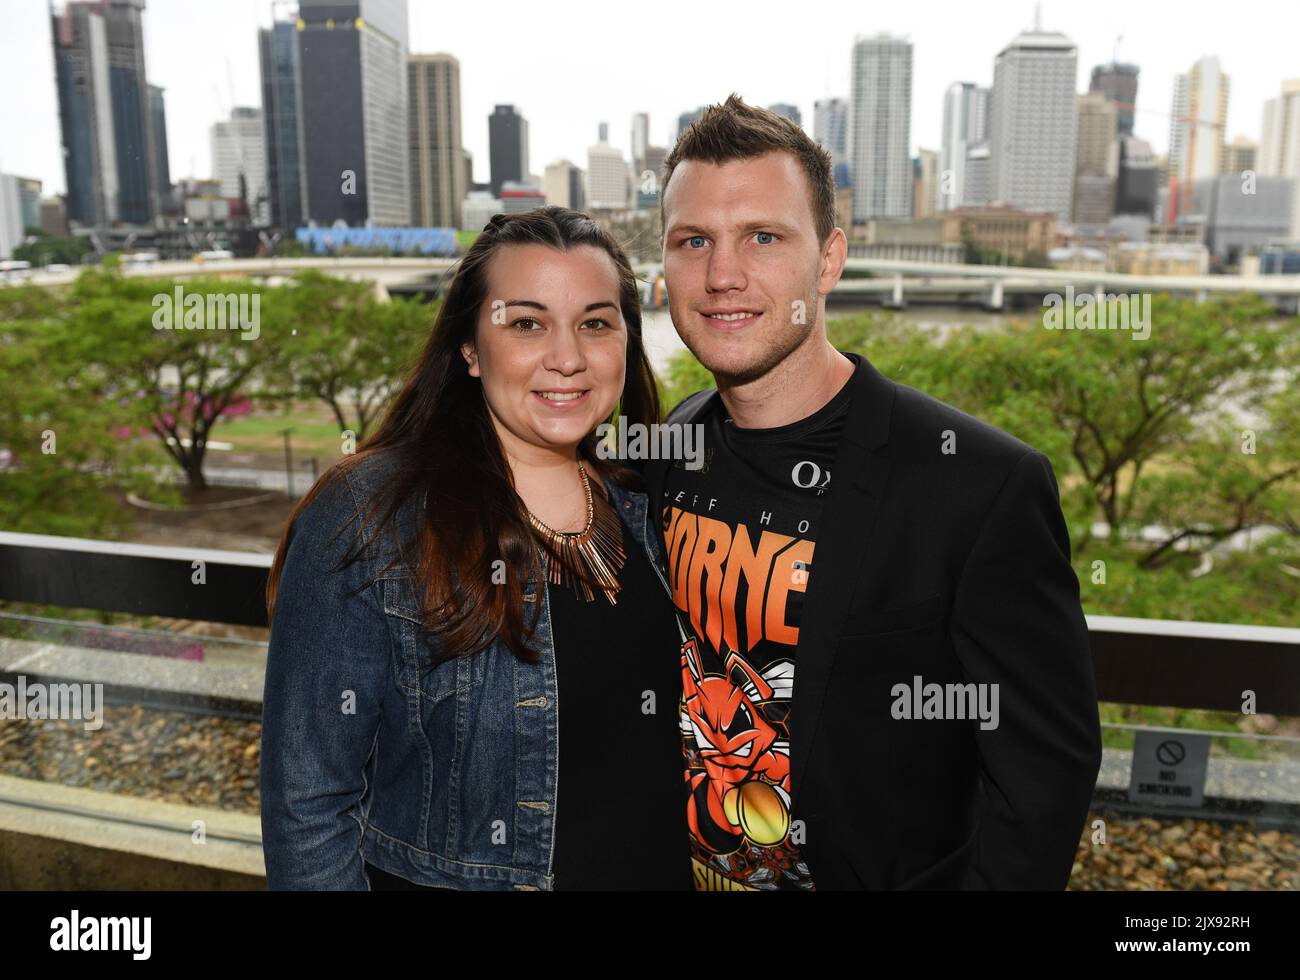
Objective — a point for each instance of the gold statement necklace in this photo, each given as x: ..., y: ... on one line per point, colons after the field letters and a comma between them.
x: 597, y: 548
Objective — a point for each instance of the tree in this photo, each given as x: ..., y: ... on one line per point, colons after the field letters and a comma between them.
x: 183, y: 349
x: 1106, y: 407
x: 1236, y: 477
x: 59, y: 425
x: 338, y: 343
x: 43, y: 250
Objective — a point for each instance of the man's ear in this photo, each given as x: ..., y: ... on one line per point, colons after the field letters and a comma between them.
x: 468, y: 352
x: 834, y: 256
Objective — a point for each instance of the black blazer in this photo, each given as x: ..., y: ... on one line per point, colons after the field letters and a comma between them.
x: 954, y: 566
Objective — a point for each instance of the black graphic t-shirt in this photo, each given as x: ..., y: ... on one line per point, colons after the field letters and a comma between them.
x: 740, y: 534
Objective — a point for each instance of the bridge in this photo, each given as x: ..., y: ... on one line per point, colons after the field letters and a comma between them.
x: 891, y: 282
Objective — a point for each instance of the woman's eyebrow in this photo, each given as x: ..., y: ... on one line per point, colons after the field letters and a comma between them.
x: 532, y: 304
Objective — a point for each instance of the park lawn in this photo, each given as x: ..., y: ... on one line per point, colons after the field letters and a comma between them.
x: 315, y: 432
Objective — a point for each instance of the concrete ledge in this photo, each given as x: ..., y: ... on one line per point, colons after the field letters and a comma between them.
x: 60, y: 837
x: 226, y: 688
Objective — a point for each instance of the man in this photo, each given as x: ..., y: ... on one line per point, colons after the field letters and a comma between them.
x: 915, y: 706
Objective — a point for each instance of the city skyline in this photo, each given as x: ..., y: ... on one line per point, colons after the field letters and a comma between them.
x: 559, y: 131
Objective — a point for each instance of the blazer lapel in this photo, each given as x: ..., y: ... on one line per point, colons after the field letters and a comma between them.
x: 859, y: 477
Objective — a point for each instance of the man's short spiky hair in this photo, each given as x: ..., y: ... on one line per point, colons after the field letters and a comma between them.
x: 736, y: 131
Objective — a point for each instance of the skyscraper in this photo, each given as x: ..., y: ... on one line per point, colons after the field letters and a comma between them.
x: 132, y: 124
x: 1279, y: 149
x: 880, y: 112
x: 654, y: 161
x: 239, y: 154
x: 507, y: 146
x: 977, y: 181
x: 1119, y: 83
x: 282, y: 122
x: 1240, y: 155
x: 789, y: 110
x: 352, y: 63
x: 640, y: 139
x: 965, y: 123
x: 1032, y: 123
x: 685, y: 121
x: 607, y: 177
x: 1137, y: 182
x: 11, y: 215
x: 162, y: 165
x: 831, y: 128
x: 925, y: 174
x: 560, y: 181
x: 437, y: 157
x: 86, y: 115
x: 110, y: 156
x: 1094, y: 179
x: 1198, y: 121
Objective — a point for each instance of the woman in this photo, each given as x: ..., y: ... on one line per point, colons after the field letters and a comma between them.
x: 497, y: 569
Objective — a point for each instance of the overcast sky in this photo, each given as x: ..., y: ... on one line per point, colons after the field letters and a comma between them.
x: 570, y: 65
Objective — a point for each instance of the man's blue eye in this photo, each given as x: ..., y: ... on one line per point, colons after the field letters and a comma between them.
x: 694, y: 238
x: 768, y: 234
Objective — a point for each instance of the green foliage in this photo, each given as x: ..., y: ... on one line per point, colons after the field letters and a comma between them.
x: 25, y: 302
x: 63, y: 421
x: 685, y: 376
x: 1195, y: 430
x: 1251, y: 587
x: 45, y: 250
x: 97, y: 365
x: 1106, y: 408
x: 291, y: 248
x: 979, y: 255
x: 337, y: 343
x: 1141, y: 434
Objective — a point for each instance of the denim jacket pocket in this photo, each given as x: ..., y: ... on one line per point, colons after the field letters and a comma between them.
x: 419, y: 672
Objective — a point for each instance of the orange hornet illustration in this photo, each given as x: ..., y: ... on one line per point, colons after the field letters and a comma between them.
x: 740, y: 787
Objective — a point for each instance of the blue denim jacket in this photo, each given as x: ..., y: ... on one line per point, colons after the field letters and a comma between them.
x: 446, y: 776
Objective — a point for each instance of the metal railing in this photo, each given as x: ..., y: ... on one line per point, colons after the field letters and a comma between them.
x: 1171, y: 663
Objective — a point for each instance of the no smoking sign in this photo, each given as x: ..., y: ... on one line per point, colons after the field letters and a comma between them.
x: 1169, y: 768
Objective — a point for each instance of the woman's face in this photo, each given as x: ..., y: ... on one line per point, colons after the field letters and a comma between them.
x: 551, y: 345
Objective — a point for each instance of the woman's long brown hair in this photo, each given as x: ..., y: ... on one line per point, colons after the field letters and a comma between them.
x: 448, y: 455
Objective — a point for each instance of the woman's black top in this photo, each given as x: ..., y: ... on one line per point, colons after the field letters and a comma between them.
x: 621, y: 803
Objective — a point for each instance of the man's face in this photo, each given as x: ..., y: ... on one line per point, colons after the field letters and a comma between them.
x: 742, y: 263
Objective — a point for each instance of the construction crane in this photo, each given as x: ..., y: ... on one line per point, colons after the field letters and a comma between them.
x: 1189, y: 159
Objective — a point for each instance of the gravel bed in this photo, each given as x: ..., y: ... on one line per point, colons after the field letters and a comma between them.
x: 213, y: 761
